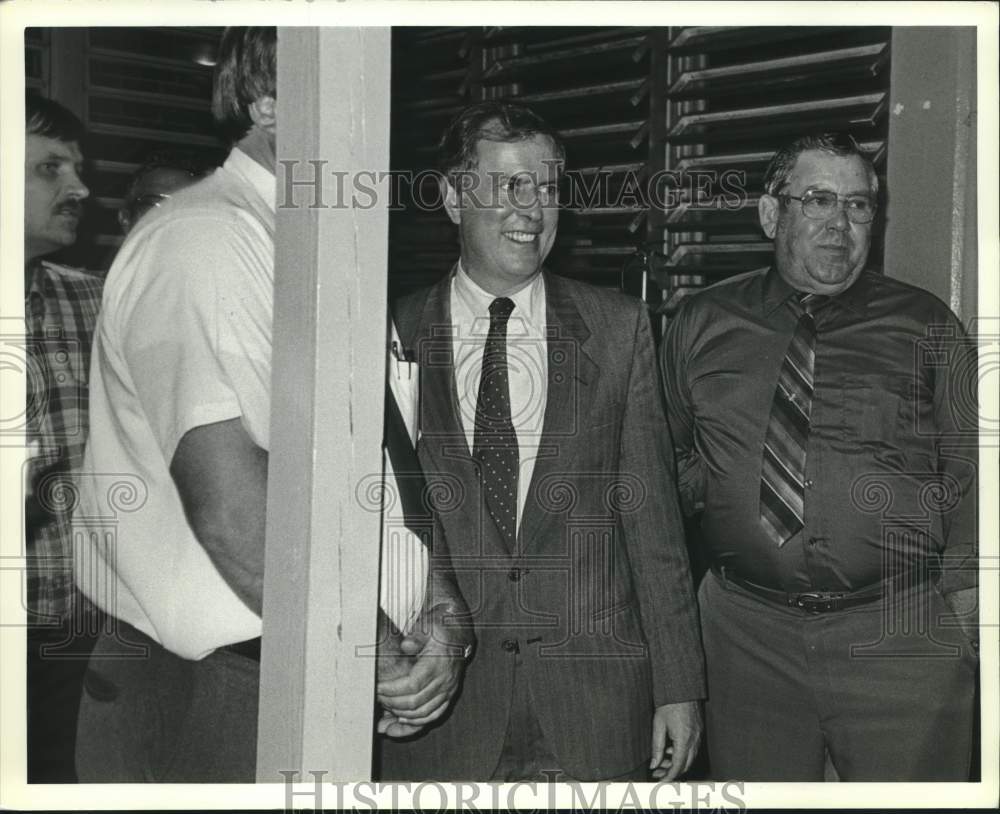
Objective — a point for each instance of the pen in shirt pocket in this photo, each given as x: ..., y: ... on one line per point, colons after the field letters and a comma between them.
x: 403, y: 359
x: 406, y: 387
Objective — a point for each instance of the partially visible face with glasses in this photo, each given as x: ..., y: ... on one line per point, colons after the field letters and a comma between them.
x: 821, y: 222
x: 149, y: 191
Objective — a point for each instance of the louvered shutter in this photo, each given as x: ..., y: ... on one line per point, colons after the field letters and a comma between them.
x: 433, y: 77
x: 36, y: 59
x: 650, y: 117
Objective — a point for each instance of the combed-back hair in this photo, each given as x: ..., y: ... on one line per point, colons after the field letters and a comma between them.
x: 841, y: 144
x: 44, y: 117
x: 245, y: 71
x: 493, y: 120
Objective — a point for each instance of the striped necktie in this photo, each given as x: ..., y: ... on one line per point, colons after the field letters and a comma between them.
x: 495, y: 440
x: 782, y: 489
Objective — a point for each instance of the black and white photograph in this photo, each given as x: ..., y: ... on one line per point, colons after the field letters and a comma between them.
x: 439, y: 405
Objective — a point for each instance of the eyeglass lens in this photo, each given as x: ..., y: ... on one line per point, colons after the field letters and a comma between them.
x: 822, y: 204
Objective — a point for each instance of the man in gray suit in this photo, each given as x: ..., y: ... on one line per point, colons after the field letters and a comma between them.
x: 542, y: 441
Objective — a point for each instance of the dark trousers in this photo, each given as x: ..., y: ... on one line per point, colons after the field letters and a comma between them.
x: 150, y: 716
x: 526, y: 755
x: 886, y: 689
x: 56, y: 662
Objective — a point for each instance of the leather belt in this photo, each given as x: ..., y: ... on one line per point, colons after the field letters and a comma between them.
x: 820, y: 601
x: 250, y: 649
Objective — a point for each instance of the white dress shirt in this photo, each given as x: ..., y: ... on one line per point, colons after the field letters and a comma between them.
x: 183, y: 340
x: 527, y: 364
x: 405, y: 559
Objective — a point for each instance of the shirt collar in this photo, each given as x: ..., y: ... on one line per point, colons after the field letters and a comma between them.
x: 261, y: 179
x: 528, y: 301
x: 775, y: 292
x: 34, y: 274
x: 856, y: 297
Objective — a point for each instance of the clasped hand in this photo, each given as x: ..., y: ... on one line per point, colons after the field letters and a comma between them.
x: 419, y: 673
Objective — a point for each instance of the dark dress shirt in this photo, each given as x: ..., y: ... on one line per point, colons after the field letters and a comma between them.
x: 891, y: 456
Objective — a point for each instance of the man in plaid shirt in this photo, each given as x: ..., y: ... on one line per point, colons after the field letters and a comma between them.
x: 60, y: 310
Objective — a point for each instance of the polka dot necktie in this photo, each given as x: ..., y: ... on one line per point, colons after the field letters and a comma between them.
x: 783, y: 468
x: 495, y: 441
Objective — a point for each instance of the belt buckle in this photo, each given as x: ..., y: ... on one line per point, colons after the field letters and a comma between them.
x: 816, y: 602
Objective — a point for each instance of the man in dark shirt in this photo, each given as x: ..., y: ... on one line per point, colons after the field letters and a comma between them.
x: 829, y: 442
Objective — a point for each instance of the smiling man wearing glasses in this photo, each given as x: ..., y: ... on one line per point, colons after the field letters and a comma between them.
x: 823, y: 418
x: 540, y: 414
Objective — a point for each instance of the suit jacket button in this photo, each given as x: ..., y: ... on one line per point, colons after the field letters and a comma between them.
x: 510, y: 645
x: 514, y: 574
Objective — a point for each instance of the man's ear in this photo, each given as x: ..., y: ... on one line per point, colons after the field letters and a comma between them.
x: 262, y: 113
x: 124, y: 221
x: 450, y: 197
x: 768, y: 210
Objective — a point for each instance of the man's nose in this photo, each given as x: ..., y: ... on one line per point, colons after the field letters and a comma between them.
x: 840, y: 221
x: 75, y: 188
x: 527, y: 201
x: 531, y: 205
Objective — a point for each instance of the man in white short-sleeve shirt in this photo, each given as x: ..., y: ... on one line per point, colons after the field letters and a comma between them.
x: 176, y: 468
x: 207, y: 263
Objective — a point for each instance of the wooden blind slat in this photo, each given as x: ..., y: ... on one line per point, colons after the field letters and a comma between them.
x: 631, y: 103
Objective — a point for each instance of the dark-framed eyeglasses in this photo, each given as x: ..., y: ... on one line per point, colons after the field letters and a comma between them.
x: 821, y: 204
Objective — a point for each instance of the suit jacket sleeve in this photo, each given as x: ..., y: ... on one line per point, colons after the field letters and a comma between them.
x: 655, y: 535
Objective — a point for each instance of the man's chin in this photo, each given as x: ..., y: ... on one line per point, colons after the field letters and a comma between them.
x: 68, y: 238
x: 523, y: 273
x: 834, y: 282
x: 49, y: 246
x: 521, y: 264
x: 62, y: 235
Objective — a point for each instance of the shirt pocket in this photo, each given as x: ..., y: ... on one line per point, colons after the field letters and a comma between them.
x: 872, y: 408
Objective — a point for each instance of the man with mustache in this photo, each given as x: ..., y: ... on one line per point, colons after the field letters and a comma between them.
x: 824, y: 421
x: 60, y: 310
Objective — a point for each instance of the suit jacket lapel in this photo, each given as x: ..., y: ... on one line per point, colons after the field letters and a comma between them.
x: 572, y: 375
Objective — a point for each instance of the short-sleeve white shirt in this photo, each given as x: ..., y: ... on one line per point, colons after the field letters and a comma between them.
x: 183, y: 340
